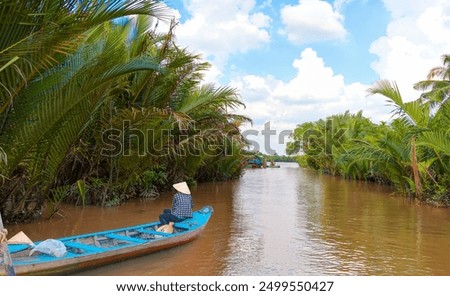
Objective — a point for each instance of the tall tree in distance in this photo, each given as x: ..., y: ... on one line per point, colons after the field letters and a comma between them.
x: 436, y: 89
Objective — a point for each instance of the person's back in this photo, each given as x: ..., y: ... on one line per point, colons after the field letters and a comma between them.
x: 182, y: 205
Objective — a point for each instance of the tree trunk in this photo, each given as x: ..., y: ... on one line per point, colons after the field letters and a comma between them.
x: 415, y: 169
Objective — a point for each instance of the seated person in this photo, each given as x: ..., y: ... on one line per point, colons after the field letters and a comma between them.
x: 181, y: 206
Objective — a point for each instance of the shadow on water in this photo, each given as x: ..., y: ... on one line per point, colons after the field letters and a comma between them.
x: 285, y: 221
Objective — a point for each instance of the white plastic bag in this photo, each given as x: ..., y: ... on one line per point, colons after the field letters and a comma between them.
x: 51, y: 247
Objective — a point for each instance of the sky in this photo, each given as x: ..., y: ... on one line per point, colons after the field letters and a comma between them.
x: 296, y: 61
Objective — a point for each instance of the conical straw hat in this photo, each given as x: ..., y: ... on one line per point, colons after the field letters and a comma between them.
x: 182, y: 187
x: 20, y: 238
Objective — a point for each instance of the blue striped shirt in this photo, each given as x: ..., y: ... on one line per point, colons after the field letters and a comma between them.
x: 182, y: 205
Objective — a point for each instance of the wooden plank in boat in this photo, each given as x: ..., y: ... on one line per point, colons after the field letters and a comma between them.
x: 183, y: 225
x: 88, y: 248
x: 153, y: 232
x: 126, y: 238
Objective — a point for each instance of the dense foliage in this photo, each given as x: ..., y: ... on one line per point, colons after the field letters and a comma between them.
x: 96, y: 107
x: 259, y: 159
x: 411, y: 153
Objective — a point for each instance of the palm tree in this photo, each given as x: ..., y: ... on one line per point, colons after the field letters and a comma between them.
x: 38, y: 35
x: 412, y: 152
x: 56, y: 70
x: 437, y: 86
x: 414, y: 116
x: 385, y: 159
x: 120, y: 77
x: 437, y: 140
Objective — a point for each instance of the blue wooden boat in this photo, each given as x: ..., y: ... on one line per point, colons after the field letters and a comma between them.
x: 105, y: 247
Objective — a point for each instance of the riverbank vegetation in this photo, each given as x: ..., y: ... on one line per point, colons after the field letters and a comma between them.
x: 411, y: 153
x: 97, y: 107
x: 280, y: 158
x: 269, y: 158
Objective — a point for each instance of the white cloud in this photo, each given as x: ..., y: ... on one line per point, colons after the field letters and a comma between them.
x: 268, y: 137
x: 402, y: 8
x: 161, y: 25
x: 312, y: 21
x: 340, y: 4
x: 435, y: 23
x: 415, y: 39
x: 219, y: 29
x: 314, y: 93
x: 260, y: 20
x: 314, y: 80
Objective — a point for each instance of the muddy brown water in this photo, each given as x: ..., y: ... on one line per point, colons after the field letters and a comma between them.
x: 280, y: 221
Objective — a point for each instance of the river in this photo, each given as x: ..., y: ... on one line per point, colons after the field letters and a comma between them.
x: 280, y: 221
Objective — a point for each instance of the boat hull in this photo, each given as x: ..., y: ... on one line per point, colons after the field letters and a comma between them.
x: 94, y: 256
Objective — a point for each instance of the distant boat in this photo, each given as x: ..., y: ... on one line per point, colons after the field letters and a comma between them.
x: 255, y: 162
x: 105, y: 247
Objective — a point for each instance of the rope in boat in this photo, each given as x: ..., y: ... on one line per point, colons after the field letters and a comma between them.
x: 3, y: 234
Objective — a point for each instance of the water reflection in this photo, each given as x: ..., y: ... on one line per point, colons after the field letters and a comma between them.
x: 286, y: 221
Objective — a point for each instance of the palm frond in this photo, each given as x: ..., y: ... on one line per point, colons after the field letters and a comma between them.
x: 437, y: 140
x: 389, y: 89
x: 38, y: 36
x: 417, y: 112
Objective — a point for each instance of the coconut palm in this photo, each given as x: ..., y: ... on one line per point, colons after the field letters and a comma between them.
x: 436, y: 89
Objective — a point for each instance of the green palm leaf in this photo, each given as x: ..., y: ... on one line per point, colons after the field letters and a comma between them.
x: 37, y: 35
x: 50, y: 101
x: 437, y: 140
